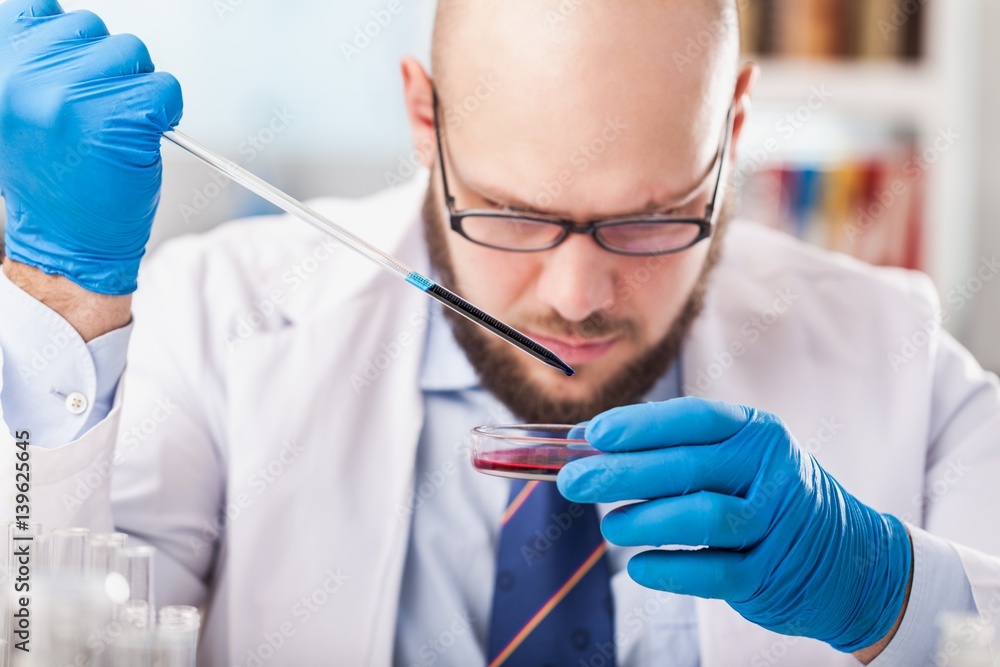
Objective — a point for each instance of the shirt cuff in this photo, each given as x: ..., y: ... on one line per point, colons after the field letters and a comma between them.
x: 940, y: 585
x: 54, y: 385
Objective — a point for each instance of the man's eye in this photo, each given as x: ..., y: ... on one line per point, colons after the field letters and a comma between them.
x: 498, y: 206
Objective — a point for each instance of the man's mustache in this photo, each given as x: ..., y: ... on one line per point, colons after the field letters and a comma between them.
x: 598, y: 325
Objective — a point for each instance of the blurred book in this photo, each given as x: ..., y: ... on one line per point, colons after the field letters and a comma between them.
x: 870, y: 209
x: 878, y: 37
x: 818, y: 29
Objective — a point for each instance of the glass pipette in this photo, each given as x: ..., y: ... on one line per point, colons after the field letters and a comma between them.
x: 446, y: 297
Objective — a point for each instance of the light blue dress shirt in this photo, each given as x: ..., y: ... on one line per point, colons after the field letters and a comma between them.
x: 450, y: 567
x: 59, y: 387
x: 54, y: 385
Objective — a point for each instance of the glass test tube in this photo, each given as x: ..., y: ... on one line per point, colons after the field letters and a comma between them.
x: 67, y: 551
x: 102, y: 553
x: 177, y: 637
x: 135, y: 564
x: 72, y: 613
x: 134, y: 646
x: 42, y: 558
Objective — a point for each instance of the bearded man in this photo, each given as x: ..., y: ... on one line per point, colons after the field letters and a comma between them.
x: 296, y: 446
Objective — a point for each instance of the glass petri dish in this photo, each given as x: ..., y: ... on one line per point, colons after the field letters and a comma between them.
x: 527, y: 451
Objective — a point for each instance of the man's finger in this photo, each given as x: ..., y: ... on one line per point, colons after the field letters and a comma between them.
x: 682, y: 421
x: 11, y: 10
x: 727, y: 469
x: 696, y: 520
x: 706, y: 573
x: 54, y: 31
x: 117, y: 55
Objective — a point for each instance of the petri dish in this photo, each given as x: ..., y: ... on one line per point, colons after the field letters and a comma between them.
x: 527, y: 451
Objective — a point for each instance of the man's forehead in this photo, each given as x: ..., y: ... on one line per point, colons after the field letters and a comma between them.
x: 586, y: 104
x: 581, y: 42
x: 506, y: 71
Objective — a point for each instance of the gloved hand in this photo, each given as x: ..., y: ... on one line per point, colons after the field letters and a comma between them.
x: 81, y: 116
x: 789, y: 548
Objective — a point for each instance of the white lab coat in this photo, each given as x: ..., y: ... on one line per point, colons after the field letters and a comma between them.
x: 301, y: 428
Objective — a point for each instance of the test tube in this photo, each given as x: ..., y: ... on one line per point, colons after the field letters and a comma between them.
x: 177, y: 637
x: 67, y: 551
x: 134, y: 646
x: 135, y: 564
x: 41, y: 560
x: 102, y: 552
x: 73, y: 618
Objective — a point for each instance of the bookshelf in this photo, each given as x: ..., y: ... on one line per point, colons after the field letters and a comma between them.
x: 910, y: 108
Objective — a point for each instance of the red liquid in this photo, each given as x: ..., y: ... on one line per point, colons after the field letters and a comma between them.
x: 540, y: 462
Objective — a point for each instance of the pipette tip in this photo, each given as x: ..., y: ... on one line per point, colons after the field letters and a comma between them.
x: 561, y: 365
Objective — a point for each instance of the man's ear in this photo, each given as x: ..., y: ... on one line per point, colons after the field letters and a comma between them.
x: 741, y: 102
x: 418, y: 92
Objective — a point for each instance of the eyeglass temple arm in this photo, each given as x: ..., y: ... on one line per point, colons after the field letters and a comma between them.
x: 449, y: 200
x: 713, y: 208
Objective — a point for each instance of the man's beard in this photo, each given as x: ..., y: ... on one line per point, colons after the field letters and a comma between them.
x: 499, y: 374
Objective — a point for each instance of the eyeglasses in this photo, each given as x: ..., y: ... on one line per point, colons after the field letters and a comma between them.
x: 639, y: 235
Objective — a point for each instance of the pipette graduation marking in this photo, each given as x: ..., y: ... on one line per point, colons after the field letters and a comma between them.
x: 509, y: 334
x: 286, y: 203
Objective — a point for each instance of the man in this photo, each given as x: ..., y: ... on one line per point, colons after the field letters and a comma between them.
x: 291, y: 430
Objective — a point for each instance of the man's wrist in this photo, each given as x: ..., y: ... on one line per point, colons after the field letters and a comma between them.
x: 91, y: 314
x: 866, y: 655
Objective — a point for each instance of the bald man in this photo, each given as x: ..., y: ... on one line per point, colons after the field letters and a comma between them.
x: 775, y: 481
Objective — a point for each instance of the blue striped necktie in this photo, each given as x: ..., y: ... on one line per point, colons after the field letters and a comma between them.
x: 552, y: 601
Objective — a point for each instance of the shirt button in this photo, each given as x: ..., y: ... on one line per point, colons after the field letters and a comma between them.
x: 76, y: 403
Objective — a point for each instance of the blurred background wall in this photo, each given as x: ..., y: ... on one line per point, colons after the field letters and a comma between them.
x: 983, y: 333
x: 273, y: 87
x: 871, y: 136
x: 873, y: 129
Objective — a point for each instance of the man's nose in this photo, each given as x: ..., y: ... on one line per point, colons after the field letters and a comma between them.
x: 577, y: 278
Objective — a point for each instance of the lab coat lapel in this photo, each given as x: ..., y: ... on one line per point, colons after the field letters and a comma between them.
x: 319, y: 471
x: 324, y: 421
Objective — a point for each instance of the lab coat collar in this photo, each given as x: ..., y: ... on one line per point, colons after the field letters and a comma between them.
x: 445, y: 366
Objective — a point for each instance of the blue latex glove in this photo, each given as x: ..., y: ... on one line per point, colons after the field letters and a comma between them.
x: 789, y: 548
x: 81, y: 116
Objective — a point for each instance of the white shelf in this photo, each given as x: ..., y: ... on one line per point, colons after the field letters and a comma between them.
x: 929, y: 96
x: 858, y: 86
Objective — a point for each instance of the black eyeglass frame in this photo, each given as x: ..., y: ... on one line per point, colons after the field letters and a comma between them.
x: 706, y: 224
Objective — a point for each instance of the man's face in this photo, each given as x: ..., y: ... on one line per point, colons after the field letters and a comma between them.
x: 617, y: 357
x: 583, y: 125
